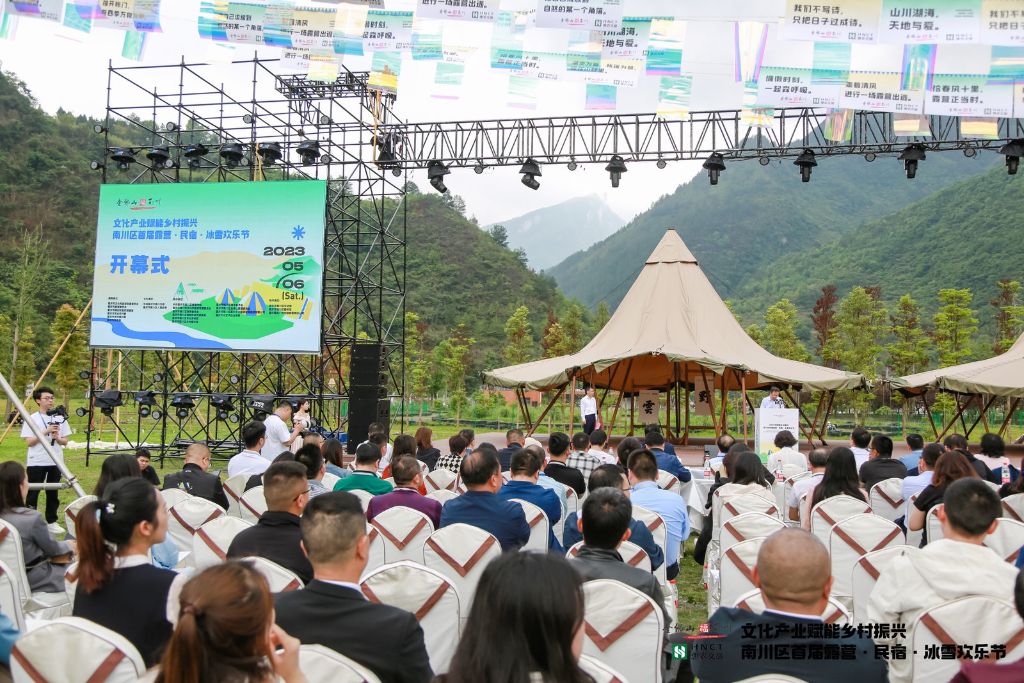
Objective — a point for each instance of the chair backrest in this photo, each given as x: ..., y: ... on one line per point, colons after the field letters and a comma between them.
x: 623, y: 628
x: 173, y: 497
x: 89, y: 653
x: 668, y: 482
x: 631, y: 554
x: 427, y: 594
x: 962, y: 623
x: 737, y: 573
x: 363, y: 496
x: 442, y: 495
x: 253, y: 504
x: 211, y: 541
x: 10, y: 597
x: 12, y: 554
x: 934, y: 524
x: 787, y: 488
x: 506, y: 477
x: 376, y: 551
x: 599, y: 671
x: 187, y: 516
x: 746, y: 526
x: 572, y: 500
x: 330, y: 480
x: 424, y: 468
x: 655, y: 523
x: 1013, y: 507
x: 461, y: 552
x: 1007, y: 539
x: 913, y: 537
x: 853, y: 538
x: 832, y: 511
x: 866, y: 572
x: 234, y: 487
x: 320, y: 664
x: 886, y: 500
x: 71, y: 513
x: 279, y: 578
x: 748, y: 502
x: 539, y: 525
x: 390, y: 480
x: 439, y: 479
x: 71, y: 582
x: 404, y: 531
x: 835, y: 612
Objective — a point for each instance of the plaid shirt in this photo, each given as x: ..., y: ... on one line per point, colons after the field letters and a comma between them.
x: 584, y: 462
x: 450, y: 462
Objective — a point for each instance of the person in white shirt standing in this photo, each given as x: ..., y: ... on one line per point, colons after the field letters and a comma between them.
x: 39, y: 467
x: 588, y: 409
x: 773, y: 400
x: 278, y: 438
x: 250, y: 461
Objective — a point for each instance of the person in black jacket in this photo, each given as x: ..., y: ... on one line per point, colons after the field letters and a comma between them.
x: 425, y: 450
x: 195, y: 480
x: 558, y: 469
x: 514, y: 440
x: 957, y: 442
x: 147, y: 470
x: 332, y: 610
x: 722, y: 477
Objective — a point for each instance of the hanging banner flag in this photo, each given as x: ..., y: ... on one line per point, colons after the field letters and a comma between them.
x: 313, y: 28
x: 1018, y: 100
x: 88, y: 9
x: 522, y: 92
x: 458, y: 10
x: 918, y: 67
x: 50, y: 10
x: 507, y: 42
x: 73, y: 20
x: 384, y: 71
x: 841, y: 21
x: 387, y: 31
x: 674, y: 96
x: 600, y: 97
x: 750, y: 39
x: 134, y: 45
x: 1007, y: 65
x: 787, y: 87
x: 621, y: 73
x: 323, y: 67
x: 584, y: 52
x: 665, y: 48
x: 831, y: 63
x: 1002, y: 22
x: 629, y: 42
x: 146, y: 16
x: 967, y: 95
x: 9, y: 28
x: 448, y: 81
x: 349, y: 25
x: 938, y: 21
x: 546, y: 66
x: 277, y: 27
x: 879, y: 91
x: 232, y: 22
x: 839, y: 125
x: 295, y: 60
x: 911, y: 125
x: 979, y: 127
x: 426, y: 39
x: 454, y: 54
x: 595, y: 15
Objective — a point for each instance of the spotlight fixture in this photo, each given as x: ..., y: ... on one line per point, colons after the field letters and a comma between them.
x: 99, y: 128
x: 194, y: 153
x: 969, y: 152
x: 661, y: 163
x: 806, y: 162
x: 325, y: 120
x: 616, y: 167
x: 183, y: 405
x: 158, y: 377
x: 479, y: 168
x: 160, y: 157
x: 387, y: 145
x: 869, y: 157
x: 95, y: 165
x: 234, y: 379
x: 1014, y: 151
x: 763, y: 160
x: 222, y: 403
x: 715, y: 165
x: 910, y: 156
x: 530, y: 171
x: 308, y: 151
x: 85, y: 374
x: 571, y: 165
x: 82, y: 412
x: 247, y: 118
x: 269, y: 152
x: 436, y: 171
x: 326, y: 159
x: 107, y: 400
x: 261, y: 405
x: 146, y: 401
x: 231, y: 153
x: 123, y: 157
x: 171, y: 126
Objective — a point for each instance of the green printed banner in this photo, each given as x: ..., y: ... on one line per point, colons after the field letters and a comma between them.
x: 600, y: 97
x: 384, y: 71
x: 426, y: 40
x: 936, y: 21
x: 9, y: 28
x: 134, y: 45
x: 448, y: 81
x: 831, y: 63
x: 674, y: 96
x: 522, y: 92
x: 1007, y: 65
x: 629, y: 42
x: 232, y: 22
x: 387, y: 31
x: 73, y: 20
x: 880, y: 91
x: 507, y: 42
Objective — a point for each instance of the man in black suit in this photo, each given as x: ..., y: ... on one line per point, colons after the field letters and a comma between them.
x: 514, y: 440
x: 558, y: 469
x: 332, y: 611
x: 794, y: 574
x: 195, y: 480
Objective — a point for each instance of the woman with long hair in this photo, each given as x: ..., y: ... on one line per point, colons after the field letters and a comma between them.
x: 333, y: 451
x: 425, y: 450
x: 627, y: 447
x: 517, y: 636
x: 38, y: 545
x: 226, y: 632
x: 404, y: 444
x: 301, y: 414
x: 748, y: 477
x: 840, y: 478
x: 117, y: 586
x: 950, y: 466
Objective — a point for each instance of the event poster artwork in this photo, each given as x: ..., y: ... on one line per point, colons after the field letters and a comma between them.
x: 210, y: 266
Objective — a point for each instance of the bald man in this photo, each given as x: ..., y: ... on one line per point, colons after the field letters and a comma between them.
x: 195, y: 480
x: 794, y: 574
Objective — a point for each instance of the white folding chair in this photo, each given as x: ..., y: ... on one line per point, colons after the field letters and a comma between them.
x: 404, y: 531
x: 438, y: 480
x: 737, y: 573
x: 442, y: 495
x: 71, y: 513
x: 428, y: 595
x: 539, y: 525
x: 187, y: 516
x: 211, y: 541
x: 746, y: 526
x: 964, y: 622
x: 253, y: 504
x: 656, y: 525
x: 330, y: 480
x: 71, y: 583
x: 913, y: 537
x: 376, y: 550
x: 173, y: 496
x: 835, y: 612
x: 866, y: 572
x: 623, y: 628
x: 235, y: 487
x: 668, y: 482
x: 39, y: 605
x: 363, y: 496
x: 934, y: 524
x: 424, y: 468
x: 390, y: 480
x: 278, y: 578
x: 886, y: 500
x: 10, y: 597
x: 599, y: 671
x: 833, y: 510
x: 1007, y: 539
x: 748, y: 502
x: 787, y: 488
x: 850, y: 540
x: 89, y: 653
x: 1013, y: 507
x: 506, y: 477
x: 461, y: 552
x: 572, y: 501
x: 631, y: 554
x: 320, y: 664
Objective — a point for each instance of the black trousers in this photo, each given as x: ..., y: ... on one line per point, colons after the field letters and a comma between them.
x: 44, y: 474
x: 589, y: 423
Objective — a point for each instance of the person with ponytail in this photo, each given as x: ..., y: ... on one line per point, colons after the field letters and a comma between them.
x: 118, y: 587
x: 226, y: 632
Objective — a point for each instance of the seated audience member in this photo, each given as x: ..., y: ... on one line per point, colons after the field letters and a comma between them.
x: 605, y: 524
x: 193, y: 478
x: 627, y: 447
x: 818, y: 460
x: 523, y: 485
x: 669, y: 463
x: 643, y: 475
x: 311, y: 439
x: 667, y: 447
x: 452, y: 461
x: 425, y: 451
x: 860, y: 441
x: 599, y: 447
x: 380, y: 440
x: 514, y: 440
x: 514, y: 634
x: 547, y: 482
x: 408, y: 480
x: 724, y: 475
x: 308, y: 455
x: 364, y: 476
x: 958, y: 442
x: 724, y: 443
x: 41, y: 550
x: 249, y: 461
x: 951, y: 466
x: 405, y: 444
x: 470, y: 436
x: 997, y: 672
x: 993, y: 454
x: 142, y: 456
x: 558, y: 468
x: 226, y: 632
x: 118, y: 588
x: 257, y: 479
x: 332, y: 610
x: 957, y: 565
x: 276, y: 536
x: 795, y: 577
x: 881, y: 466
x: 748, y: 476
x: 915, y: 443
x: 612, y: 476
x: 840, y: 478
x: 480, y: 505
x: 333, y: 451
x: 925, y: 465
x: 580, y: 458
x: 787, y: 454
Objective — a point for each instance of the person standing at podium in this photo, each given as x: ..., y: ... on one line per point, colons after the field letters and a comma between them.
x: 773, y: 400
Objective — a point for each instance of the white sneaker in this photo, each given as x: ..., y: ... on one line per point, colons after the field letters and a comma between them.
x: 55, y: 528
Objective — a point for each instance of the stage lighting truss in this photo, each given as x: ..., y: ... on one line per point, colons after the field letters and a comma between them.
x: 530, y: 171
x: 910, y: 156
x: 224, y: 407
x: 806, y: 162
x: 147, y: 403
x: 182, y: 404
x: 616, y: 167
x: 107, y: 400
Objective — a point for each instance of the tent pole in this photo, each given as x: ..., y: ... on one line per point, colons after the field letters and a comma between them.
x: 678, y: 399
x: 618, y: 401
x: 572, y: 399
x: 526, y: 406
x: 1009, y: 413
x: 817, y: 412
x: 686, y: 405
x: 824, y: 419
x: 632, y: 405
x: 981, y: 418
x: 952, y: 422
x: 668, y: 413
x: 928, y: 411
x: 810, y: 437
x: 551, y: 403
x: 725, y: 405
x: 711, y: 398
x: 743, y: 406
x: 615, y: 414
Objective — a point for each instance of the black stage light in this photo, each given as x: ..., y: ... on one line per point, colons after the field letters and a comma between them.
x: 269, y: 152
x: 806, y: 162
x: 95, y: 165
x: 261, y: 404
x: 231, y: 153
x: 661, y: 163
x: 479, y: 168
x: 616, y: 167
x: 763, y: 160
x: 910, y: 156
x: 530, y: 171
x: 223, y: 405
x: 714, y: 165
x: 160, y: 157
x: 84, y: 374
x: 183, y: 405
x: 571, y: 165
x: 146, y: 401
x: 308, y: 151
x: 869, y: 157
x: 1013, y: 151
x: 969, y: 152
x: 82, y: 412
x: 194, y: 153
x: 107, y: 400
x: 123, y: 157
x: 436, y: 171
x: 99, y: 128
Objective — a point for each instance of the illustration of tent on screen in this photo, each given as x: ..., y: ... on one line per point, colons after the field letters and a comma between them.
x: 253, y: 305
x: 228, y: 298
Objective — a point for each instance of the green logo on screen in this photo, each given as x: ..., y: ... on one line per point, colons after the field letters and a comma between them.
x: 679, y: 652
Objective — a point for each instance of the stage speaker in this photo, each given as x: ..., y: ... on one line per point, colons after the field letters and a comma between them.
x: 368, y: 391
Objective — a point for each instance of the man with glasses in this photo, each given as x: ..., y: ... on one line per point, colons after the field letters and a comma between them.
x: 194, y: 478
x: 39, y: 467
x: 277, y: 535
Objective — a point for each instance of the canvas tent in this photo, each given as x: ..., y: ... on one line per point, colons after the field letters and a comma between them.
x: 670, y: 331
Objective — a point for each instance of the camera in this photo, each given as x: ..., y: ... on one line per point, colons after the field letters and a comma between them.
x: 59, y: 411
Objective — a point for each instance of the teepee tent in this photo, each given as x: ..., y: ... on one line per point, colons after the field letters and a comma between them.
x: 227, y: 298
x: 253, y: 305
x: 671, y: 332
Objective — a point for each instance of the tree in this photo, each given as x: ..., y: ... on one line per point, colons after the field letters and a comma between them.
x: 861, y: 317
x: 908, y: 352
x: 71, y: 359
x: 1009, y: 316
x: 456, y: 362
x: 499, y: 234
x: 520, y: 341
x: 574, y: 327
x: 25, y: 366
x: 411, y: 345
x: 521, y: 256
x: 754, y: 332
x: 954, y: 325
x: 545, y: 345
x: 602, y: 317
x: 826, y: 327
x: 779, y: 335
x: 28, y: 280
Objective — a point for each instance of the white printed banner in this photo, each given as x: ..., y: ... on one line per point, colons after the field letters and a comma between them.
x: 785, y: 87
x: 702, y: 396
x: 648, y: 403
x: 629, y: 42
x: 879, y: 91
x: 387, y: 31
x: 841, y: 21
x: 933, y: 22
x: 1002, y: 22
x: 953, y: 95
x: 595, y: 15
x: 485, y: 11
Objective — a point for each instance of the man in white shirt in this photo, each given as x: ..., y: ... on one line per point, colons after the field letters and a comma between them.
x: 817, y: 459
x: 278, y: 439
x: 249, y: 461
x: 599, y: 448
x: 860, y: 439
x: 925, y: 465
x: 39, y: 467
x: 773, y: 400
x: 588, y: 409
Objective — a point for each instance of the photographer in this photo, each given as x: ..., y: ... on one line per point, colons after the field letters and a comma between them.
x: 41, y: 469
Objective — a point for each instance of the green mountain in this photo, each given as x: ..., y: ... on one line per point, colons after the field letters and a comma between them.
x: 757, y: 216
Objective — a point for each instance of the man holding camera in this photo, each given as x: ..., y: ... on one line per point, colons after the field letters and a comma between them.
x: 53, y: 422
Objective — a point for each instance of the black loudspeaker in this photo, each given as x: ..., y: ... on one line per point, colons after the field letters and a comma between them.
x: 368, y: 392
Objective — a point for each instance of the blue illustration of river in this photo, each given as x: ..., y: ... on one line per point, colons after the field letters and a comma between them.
x: 178, y: 339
